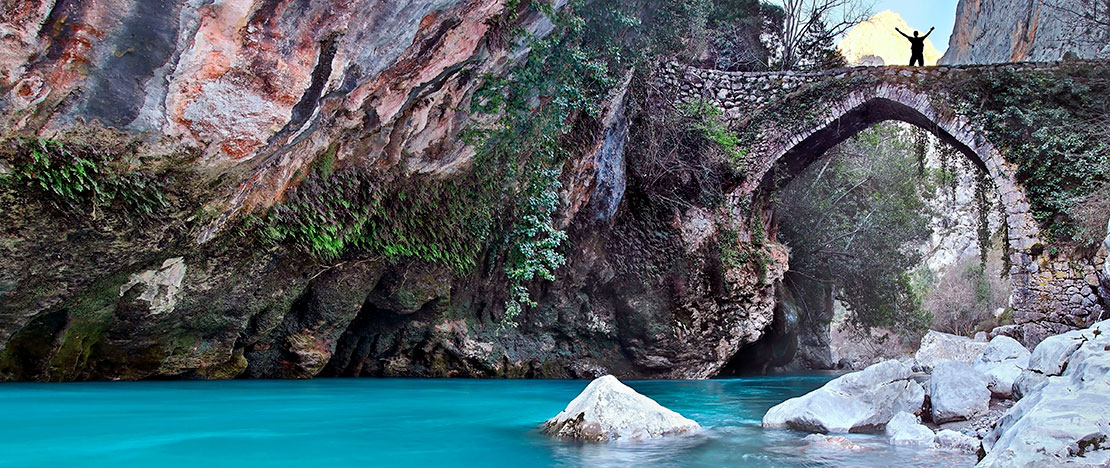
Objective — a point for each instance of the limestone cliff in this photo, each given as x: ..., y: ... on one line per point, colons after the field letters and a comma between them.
x: 170, y: 173
x: 996, y: 31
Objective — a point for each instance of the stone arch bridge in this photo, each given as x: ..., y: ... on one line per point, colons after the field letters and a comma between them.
x: 789, y: 119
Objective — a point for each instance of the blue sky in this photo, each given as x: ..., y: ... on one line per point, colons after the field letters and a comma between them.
x: 922, y: 14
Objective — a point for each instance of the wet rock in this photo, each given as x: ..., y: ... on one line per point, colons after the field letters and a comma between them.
x: 860, y: 401
x: 609, y: 410
x: 957, y: 392
x: 905, y: 429
x: 827, y: 442
x: 1002, y: 362
x: 937, y: 347
x: 948, y: 439
x: 1063, y: 421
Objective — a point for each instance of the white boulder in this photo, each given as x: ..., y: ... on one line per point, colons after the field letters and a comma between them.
x: 948, y: 439
x: 957, y: 392
x: 1106, y: 264
x: 609, y: 410
x: 859, y: 401
x: 905, y: 429
x: 1065, y: 421
x: 1002, y: 362
x: 937, y: 347
x: 1048, y: 359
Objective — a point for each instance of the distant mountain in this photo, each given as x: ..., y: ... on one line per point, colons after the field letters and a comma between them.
x: 875, y: 42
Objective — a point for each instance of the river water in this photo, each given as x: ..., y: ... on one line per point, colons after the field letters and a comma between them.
x: 411, y: 423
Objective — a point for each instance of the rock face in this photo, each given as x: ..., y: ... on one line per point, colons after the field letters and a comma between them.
x: 875, y: 42
x: 1064, y: 420
x: 240, y: 108
x: 243, y: 104
x: 995, y: 31
x: 1002, y: 362
x: 608, y: 410
x: 957, y: 392
x: 905, y: 429
x: 855, y: 402
x: 1052, y: 357
x: 937, y: 347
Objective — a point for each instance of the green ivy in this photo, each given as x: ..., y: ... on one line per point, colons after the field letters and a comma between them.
x: 705, y: 118
x: 1053, y: 126
x: 533, y: 243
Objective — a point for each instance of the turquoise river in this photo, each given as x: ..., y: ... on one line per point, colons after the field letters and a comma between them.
x: 402, y: 423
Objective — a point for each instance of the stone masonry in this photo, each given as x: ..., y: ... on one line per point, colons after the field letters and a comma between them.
x: 788, y: 119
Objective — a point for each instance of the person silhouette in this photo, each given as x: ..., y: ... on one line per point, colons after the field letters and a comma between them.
x: 917, y: 46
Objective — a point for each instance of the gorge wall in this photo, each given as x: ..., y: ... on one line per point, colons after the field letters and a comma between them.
x: 144, y: 145
x: 999, y: 31
x: 289, y: 189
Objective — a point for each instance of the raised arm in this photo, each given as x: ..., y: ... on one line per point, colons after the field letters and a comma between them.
x: 902, y: 33
x: 930, y: 32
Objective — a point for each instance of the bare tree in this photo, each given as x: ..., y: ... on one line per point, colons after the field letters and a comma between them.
x: 1090, y: 12
x: 826, y: 19
x: 1090, y: 20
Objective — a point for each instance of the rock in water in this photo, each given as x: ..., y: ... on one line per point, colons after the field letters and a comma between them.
x: 1002, y: 362
x: 1064, y: 421
x: 609, y: 410
x: 838, y: 443
x: 937, y: 347
x: 905, y: 429
x: 957, y: 392
x: 948, y: 439
x: 860, y: 401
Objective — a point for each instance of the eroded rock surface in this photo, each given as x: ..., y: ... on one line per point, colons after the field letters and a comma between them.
x: 609, y: 410
x: 859, y: 401
x: 1063, y: 421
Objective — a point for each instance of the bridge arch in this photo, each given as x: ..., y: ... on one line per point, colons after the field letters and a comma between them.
x: 869, y: 106
x: 794, y: 117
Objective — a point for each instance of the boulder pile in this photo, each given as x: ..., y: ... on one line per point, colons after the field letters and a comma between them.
x: 1061, y: 416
